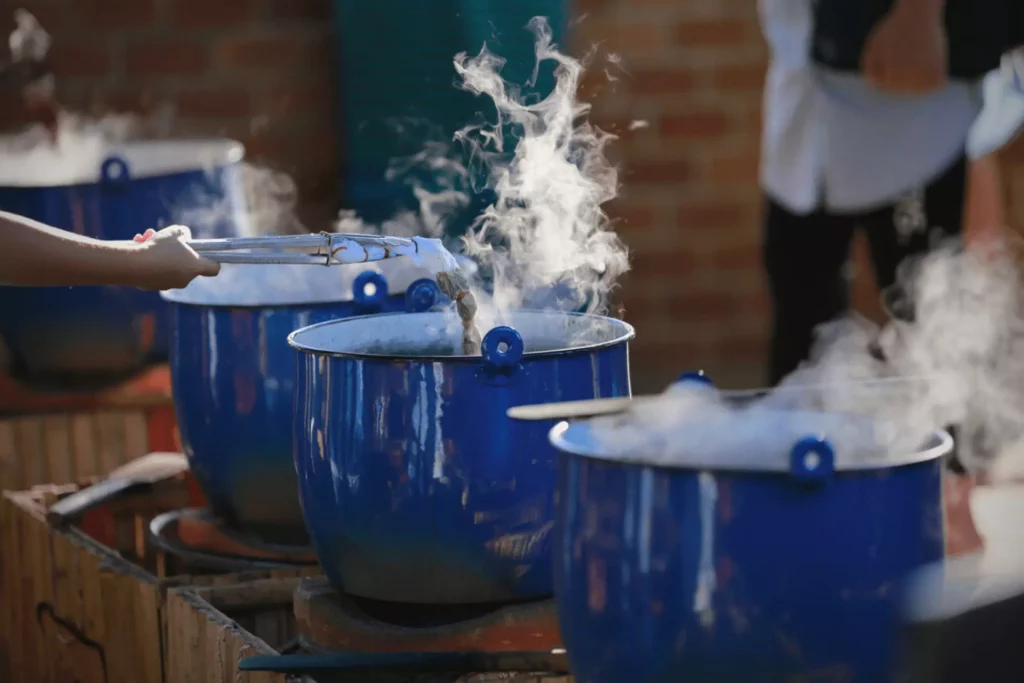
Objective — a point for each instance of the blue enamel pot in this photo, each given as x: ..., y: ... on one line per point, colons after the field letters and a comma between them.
x: 415, y: 486
x: 233, y: 375
x: 763, y: 550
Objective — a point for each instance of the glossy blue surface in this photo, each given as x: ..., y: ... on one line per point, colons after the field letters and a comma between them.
x: 233, y: 379
x: 415, y: 485
x: 108, y: 331
x: 668, y: 575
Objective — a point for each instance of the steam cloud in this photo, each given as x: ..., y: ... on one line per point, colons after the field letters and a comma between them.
x: 959, y: 362
x: 546, y: 227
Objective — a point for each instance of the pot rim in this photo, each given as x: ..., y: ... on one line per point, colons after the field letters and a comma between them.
x: 628, y: 334
x: 940, y: 444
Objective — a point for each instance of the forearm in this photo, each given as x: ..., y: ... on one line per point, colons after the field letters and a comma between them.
x: 33, y: 254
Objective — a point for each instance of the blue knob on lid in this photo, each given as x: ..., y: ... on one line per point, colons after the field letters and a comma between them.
x: 812, y: 459
x: 696, y: 376
x: 370, y: 289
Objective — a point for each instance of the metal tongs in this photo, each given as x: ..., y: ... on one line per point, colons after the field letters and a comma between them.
x: 324, y: 249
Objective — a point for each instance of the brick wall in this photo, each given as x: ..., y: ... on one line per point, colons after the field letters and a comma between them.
x: 690, y: 206
x: 260, y: 70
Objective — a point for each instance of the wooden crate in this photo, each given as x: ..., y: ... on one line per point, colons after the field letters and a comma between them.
x: 86, y: 603
x: 209, y: 629
x: 62, y: 438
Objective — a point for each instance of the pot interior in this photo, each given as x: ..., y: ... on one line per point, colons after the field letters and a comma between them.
x: 424, y: 336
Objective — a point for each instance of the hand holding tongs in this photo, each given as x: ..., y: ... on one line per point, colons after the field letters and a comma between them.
x: 325, y: 249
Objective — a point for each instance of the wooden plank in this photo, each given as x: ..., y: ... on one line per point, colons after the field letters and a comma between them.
x: 76, y: 610
x: 110, y: 428
x: 212, y: 627
x: 136, y: 439
x: 10, y: 470
x: 57, y: 447
x: 149, y: 389
x: 29, y: 440
x: 83, y: 444
x: 204, y: 640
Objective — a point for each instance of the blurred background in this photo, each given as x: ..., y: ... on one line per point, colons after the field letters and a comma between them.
x: 288, y: 79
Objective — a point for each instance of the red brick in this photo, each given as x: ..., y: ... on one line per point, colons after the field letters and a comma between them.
x: 288, y: 98
x: 115, y: 14
x: 260, y: 53
x: 172, y: 57
x: 629, y: 39
x: 744, y: 347
x: 710, y: 216
x: 121, y: 99
x: 657, y: 172
x: 742, y: 77
x: 738, y: 169
x: 704, y: 305
x: 655, y: 265
x: 737, y: 258
x: 52, y: 15
x: 694, y: 126
x: 71, y: 58
x: 308, y: 10
x: 660, y: 81
x: 214, y: 103
x: 581, y: 7
x: 719, y: 32
x: 638, y: 307
x: 212, y: 13
x: 267, y: 53
x: 632, y: 218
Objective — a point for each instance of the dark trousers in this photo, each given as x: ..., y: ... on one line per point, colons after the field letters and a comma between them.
x: 806, y: 258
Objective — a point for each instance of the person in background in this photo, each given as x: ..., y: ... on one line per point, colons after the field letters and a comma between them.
x: 1001, y: 120
x: 882, y: 149
x: 37, y: 255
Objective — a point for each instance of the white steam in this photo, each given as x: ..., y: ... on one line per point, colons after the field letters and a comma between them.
x: 547, y: 226
x: 959, y: 362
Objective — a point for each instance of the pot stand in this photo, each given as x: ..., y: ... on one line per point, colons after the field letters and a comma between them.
x: 339, y: 633
x: 197, y: 536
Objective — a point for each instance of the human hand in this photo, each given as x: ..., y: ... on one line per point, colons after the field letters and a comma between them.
x: 165, y: 261
x: 907, y: 51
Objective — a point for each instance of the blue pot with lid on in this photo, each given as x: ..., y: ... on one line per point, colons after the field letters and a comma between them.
x: 762, y: 543
x: 233, y: 374
x: 415, y: 486
x: 74, y: 335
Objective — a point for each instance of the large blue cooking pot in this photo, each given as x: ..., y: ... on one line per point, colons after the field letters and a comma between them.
x: 106, y: 332
x: 233, y: 375
x: 414, y: 484
x: 778, y: 564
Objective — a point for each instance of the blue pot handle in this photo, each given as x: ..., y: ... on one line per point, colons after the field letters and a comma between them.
x: 115, y: 171
x: 378, y: 294
x: 812, y: 459
x: 695, y: 376
x: 421, y: 295
x: 502, y: 349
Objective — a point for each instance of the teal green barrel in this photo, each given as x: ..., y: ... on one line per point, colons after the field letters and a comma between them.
x: 398, y: 86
